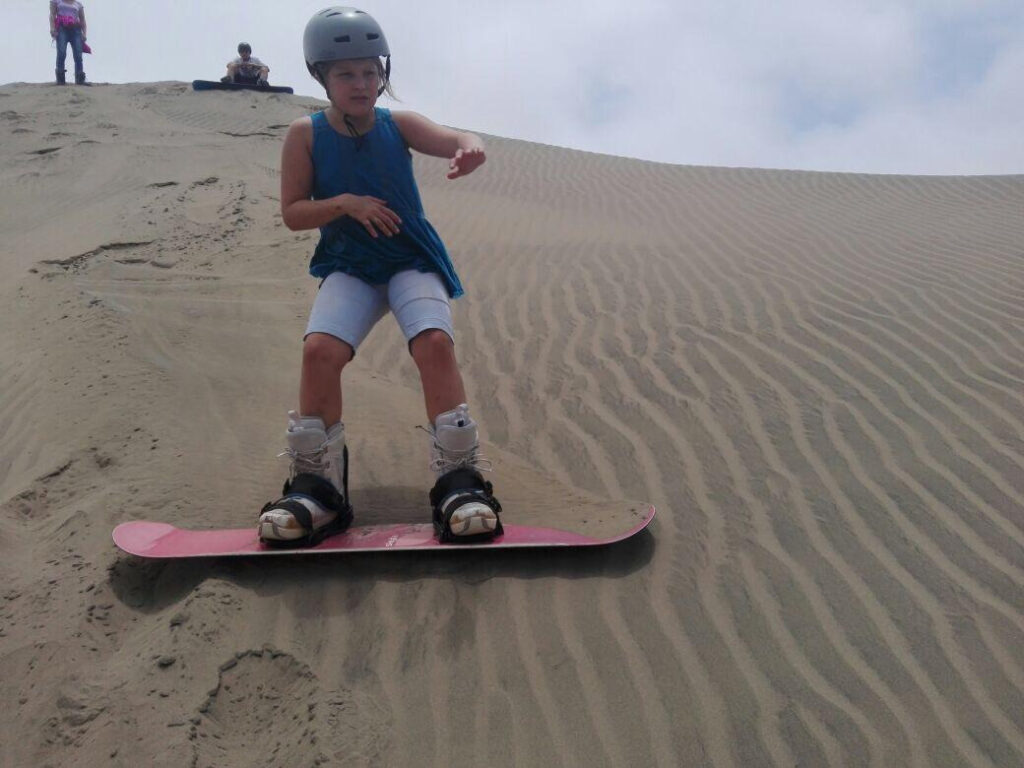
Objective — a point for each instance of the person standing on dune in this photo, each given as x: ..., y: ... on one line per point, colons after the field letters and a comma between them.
x: 67, y: 26
x: 348, y: 171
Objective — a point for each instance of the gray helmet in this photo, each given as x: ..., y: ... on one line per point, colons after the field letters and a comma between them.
x: 342, y: 33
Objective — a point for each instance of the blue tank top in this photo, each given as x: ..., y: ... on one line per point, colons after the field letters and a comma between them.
x: 379, y: 164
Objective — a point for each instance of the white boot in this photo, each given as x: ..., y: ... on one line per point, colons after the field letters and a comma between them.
x: 463, y: 503
x: 316, y: 452
x: 455, y: 442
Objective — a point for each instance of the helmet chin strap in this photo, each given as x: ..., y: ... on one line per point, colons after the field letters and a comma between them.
x: 344, y: 117
x: 352, y: 130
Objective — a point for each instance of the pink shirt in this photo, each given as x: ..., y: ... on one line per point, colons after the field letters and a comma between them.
x: 68, y: 12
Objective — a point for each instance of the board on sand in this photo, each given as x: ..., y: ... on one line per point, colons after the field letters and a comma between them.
x: 161, y: 540
x: 214, y: 85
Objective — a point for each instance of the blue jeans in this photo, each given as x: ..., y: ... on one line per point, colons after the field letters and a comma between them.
x: 71, y: 35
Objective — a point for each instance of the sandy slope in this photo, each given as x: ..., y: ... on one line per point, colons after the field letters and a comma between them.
x: 817, y: 378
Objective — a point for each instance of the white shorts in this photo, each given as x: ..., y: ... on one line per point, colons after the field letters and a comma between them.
x: 348, y: 308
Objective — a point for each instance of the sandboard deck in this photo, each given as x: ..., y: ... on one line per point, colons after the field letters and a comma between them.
x: 214, y: 85
x: 162, y: 540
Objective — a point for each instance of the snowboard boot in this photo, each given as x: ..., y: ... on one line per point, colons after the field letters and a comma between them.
x: 465, y: 509
x: 80, y: 79
x: 314, y: 503
x: 60, y: 76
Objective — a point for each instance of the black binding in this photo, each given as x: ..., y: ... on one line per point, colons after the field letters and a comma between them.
x: 323, y: 493
x: 454, y: 489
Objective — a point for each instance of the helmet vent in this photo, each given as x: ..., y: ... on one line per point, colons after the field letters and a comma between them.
x: 343, y: 39
x: 372, y: 36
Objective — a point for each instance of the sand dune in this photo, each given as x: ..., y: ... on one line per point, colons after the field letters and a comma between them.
x: 817, y: 378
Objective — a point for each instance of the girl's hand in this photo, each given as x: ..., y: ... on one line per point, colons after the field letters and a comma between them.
x: 466, y: 161
x: 374, y: 214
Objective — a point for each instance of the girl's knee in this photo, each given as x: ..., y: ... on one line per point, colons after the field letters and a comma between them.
x: 432, y: 345
x: 323, y: 351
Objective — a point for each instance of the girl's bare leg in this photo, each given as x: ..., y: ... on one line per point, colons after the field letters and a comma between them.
x: 323, y: 357
x: 434, y: 354
x: 470, y: 509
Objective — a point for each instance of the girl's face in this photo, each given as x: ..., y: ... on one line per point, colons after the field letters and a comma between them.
x: 352, y: 85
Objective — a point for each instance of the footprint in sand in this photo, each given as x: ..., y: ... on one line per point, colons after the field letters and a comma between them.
x: 79, y: 261
x: 269, y: 709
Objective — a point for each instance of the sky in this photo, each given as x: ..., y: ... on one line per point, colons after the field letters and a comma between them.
x: 875, y: 86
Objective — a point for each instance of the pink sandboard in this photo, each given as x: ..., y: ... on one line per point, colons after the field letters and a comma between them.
x: 161, y: 540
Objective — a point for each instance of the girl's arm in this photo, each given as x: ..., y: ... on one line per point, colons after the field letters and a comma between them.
x: 81, y: 18
x: 466, y: 150
x: 53, y: 19
x: 297, y: 177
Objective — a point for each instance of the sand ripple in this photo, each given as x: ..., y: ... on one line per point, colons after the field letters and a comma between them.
x: 817, y: 378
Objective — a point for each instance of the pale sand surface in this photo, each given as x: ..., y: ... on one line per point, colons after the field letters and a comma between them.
x: 817, y: 378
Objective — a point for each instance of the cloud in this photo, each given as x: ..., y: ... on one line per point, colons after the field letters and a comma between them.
x: 897, y: 86
x: 973, y: 129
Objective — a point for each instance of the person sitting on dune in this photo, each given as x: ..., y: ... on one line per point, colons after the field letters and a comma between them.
x: 246, y: 69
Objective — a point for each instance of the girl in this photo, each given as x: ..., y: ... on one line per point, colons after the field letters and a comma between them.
x: 348, y: 171
x: 67, y: 25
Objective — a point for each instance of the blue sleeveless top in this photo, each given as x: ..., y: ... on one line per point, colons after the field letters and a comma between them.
x: 379, y: 164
